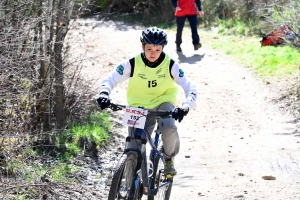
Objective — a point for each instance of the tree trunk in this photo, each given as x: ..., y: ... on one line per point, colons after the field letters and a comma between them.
x: 59, y: 76
x: 45, y: 76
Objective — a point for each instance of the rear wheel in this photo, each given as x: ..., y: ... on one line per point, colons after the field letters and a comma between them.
x: 168, y: 192
x: 124, y: 178
x: 164, y: 193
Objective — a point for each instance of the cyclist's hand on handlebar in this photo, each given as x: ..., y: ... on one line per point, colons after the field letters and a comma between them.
x: 179, y: 112
x: 103, y: 100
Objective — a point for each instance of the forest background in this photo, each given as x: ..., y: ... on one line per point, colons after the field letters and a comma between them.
x: 41, y: 92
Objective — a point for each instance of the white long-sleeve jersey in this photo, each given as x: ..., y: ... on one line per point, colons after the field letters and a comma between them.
x: 124, y: 72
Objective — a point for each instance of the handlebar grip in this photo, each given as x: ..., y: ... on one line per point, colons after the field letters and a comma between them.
x: 115, y: 107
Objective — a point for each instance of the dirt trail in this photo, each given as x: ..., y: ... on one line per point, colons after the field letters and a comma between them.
x: 234, y: 137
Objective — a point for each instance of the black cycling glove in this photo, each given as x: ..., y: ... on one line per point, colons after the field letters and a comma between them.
x: 103, y: 100
x: 179, y: 112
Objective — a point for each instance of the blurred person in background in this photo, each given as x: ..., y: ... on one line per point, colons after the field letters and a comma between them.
x: 187, y: 9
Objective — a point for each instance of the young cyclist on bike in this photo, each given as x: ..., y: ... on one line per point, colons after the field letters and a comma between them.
x: 154, y: 77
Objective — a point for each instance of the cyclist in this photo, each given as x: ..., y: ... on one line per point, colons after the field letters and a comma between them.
x: 154, y: 77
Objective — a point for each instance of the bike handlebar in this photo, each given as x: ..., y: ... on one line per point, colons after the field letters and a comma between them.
x: 151, y: 111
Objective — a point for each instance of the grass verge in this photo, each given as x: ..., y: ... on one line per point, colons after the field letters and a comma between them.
x: 34, y: 164
x: 85, y: 137
x: 269, y: 61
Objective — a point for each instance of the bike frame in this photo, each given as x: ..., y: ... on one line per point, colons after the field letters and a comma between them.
x: 142, y: 160
x: 142, y: 163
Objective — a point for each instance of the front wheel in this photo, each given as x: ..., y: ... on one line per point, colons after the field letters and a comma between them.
x: 123, y: 181
x: 164, y: 193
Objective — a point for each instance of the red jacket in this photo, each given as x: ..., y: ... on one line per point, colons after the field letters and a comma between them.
x: 188, y: 7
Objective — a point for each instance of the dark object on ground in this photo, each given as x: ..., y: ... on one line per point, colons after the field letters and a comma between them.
x: 278, y: 36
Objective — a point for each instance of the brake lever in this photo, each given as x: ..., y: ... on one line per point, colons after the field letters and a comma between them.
x: 115, y: 107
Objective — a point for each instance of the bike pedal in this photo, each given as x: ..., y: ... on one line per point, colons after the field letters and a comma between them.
x: 170, y: 175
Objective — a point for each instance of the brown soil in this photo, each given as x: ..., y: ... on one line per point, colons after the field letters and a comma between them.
x: 236, y: 144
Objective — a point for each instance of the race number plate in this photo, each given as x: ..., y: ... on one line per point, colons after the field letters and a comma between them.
x: 135, y: 117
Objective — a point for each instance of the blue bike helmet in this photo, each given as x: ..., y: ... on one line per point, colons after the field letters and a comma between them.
x: 154, y: 35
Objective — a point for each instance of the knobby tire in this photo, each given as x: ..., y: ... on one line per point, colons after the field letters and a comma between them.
x: 123, y: 178
x: 162, y: 194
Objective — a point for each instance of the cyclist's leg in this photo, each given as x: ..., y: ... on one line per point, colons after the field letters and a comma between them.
x: 169, y: 132
x: 170, y: 138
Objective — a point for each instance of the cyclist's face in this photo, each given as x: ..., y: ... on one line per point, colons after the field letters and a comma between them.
x: 152, y: 52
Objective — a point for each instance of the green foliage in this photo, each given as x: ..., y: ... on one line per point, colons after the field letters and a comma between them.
x: 26, y: 83
x: 227, y: 23
x: 228, y: 10
x: 238, y: 28
x: 279, y: 13
x: 29, y: 167
x: 88, y: 136
x: 139, y: 19
x: 102, y: 3
x: 101, y: 118
x: 61, y: 171
x: 279, y: 61
x: 267, y: 61
x: 32, y: 172
x: 26, y: 171
x: 147, y: 13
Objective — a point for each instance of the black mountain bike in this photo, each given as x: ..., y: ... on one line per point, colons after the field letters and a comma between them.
x: 136, y: 175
